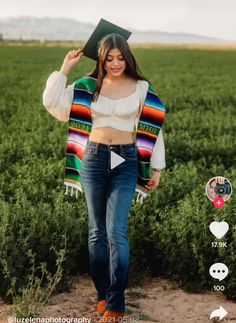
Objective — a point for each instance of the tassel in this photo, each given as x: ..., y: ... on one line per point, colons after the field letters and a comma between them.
x: 72, y: 189
x: 137, y: 199
x: 141, y: 196
x: 141, y: 199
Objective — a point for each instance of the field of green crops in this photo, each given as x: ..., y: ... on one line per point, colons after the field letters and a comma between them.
x: 169, y: 233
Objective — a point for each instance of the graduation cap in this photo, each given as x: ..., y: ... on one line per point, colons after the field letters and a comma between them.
x: 103, y: 29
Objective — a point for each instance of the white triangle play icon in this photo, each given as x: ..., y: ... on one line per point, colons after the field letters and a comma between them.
x: 116, y: 159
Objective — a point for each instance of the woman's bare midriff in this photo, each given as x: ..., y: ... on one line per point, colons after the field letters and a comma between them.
x: 109, y: 135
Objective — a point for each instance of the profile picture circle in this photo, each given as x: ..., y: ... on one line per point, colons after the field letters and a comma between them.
x: 218, y: 186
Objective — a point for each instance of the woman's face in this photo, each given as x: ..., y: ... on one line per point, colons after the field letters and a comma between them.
x: 115, y: 63
x: 211, y: 189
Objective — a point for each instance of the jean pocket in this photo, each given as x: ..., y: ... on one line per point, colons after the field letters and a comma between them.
x: 90, y: 151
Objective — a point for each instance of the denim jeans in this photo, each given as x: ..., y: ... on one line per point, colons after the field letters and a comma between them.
x: 109, y: 193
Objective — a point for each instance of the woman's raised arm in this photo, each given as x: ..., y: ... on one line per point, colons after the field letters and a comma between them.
x: 57, y: 98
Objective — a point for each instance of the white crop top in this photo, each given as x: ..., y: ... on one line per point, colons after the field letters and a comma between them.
x: 120, y: 114
x: 117, y: 113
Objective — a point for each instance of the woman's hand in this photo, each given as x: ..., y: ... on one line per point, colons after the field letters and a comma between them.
x: 220, y: 180
x: 72, y: 58
x: 153, y: 181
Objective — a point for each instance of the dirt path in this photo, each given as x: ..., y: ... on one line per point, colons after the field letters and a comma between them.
x: 158, y: 300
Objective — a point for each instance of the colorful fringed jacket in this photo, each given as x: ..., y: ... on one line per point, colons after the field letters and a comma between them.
x: 151, y: 117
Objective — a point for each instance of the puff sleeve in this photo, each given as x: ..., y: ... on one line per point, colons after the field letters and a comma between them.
x: 57, y: 98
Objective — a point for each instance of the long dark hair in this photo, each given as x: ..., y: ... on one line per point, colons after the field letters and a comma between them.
x: 109, y: 42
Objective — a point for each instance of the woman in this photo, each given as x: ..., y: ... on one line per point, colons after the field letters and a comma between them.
x: 109, y: 168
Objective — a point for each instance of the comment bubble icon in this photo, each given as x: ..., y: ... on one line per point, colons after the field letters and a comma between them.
x: 219, y: 271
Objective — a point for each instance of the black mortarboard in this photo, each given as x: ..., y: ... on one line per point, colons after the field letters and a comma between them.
x: 103, y: 29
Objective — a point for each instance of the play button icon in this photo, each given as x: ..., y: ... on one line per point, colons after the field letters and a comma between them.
x: 116, y: 160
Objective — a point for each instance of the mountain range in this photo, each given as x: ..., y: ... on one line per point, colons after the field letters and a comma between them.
x: 65, y: 29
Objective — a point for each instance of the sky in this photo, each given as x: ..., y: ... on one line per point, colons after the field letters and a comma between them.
x: 214, y: 18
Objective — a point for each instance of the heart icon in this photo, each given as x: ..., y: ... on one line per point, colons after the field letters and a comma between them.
x: 219, y: 229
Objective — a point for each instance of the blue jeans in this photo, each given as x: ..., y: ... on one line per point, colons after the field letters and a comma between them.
x: 109, y: 193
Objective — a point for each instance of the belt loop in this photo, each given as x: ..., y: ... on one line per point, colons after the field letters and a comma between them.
x: 121, y: 150
x: 96, y: 148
